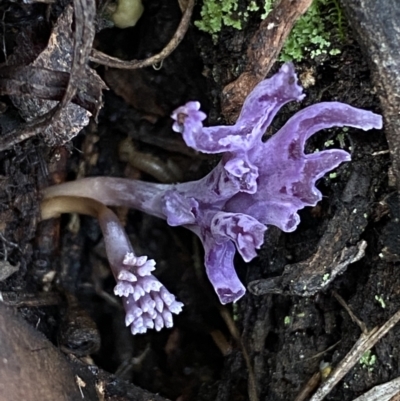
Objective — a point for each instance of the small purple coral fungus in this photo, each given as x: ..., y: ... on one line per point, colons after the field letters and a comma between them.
x: 148, y: 304
x: 254, y: 185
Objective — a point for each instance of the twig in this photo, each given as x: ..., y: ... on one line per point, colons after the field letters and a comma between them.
x: 29, y: 300
x: 381, y: 152
x: 309, y: 387
x: 363, y: 344
x: 353, y: 317
x: 3, y: 26
x: 384, y: 392
x: 319, y: 354
x: 262, y: 52
x: 102, y: 58
x: 315, y: 379
x: 221, y: 342
x: 252, y: 387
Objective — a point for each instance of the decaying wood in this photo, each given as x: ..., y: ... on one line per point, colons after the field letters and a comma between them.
x: 377, y: 24
x: 31, y: 367
x: 262, y: 53
x: 48, y: 84
x: 84, y: 12
x: 338, y: 247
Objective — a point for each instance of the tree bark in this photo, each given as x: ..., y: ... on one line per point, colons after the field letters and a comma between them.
x: 377, y: 24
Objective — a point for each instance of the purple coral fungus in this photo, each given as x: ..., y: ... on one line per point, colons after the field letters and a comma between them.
x: 254, y: 185
x: 148, y: 304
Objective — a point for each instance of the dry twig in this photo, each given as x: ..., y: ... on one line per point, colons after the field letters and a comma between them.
x: 262, y: 52
x: 384, y: 392
x: 363, y: 344
x: 353, y: 317
x: 310, y: 386
x: 252, y: 386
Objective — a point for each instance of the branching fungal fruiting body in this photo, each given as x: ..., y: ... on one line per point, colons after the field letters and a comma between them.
x: 254, y: 185
x: 148, y: 304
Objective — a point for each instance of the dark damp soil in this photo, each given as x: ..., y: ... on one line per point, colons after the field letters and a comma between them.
x: 287, y: 337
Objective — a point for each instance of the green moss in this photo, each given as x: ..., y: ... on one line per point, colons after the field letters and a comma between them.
x: 268, y: 6
x: 368, y: 360
x: 311, y: 36
x: 253, y: 6
x: 215, y: 14
x: 313, y: 32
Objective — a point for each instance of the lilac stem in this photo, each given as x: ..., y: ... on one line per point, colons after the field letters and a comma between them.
x: 116, y: 241
x: 113, y: 191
